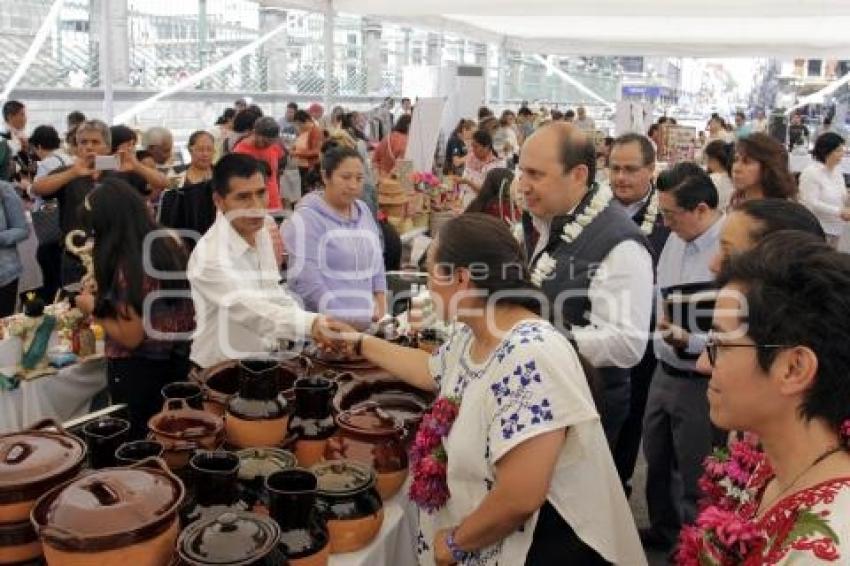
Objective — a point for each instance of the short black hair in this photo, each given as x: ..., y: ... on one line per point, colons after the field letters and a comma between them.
x: 484, y: 112
x: 405, y: 98
x: 402, y: 125
x: 525, y: 111
x: 652, y: 129
x: 569, y: 114
x: 302, y: 116
x: 689, y: 184
x: 74, y: 118
x: 722, y: 152
x: 45, y: 137
x: 293, y: 105
x: 333, y: 158
x: 120, y: 134
x: 244, y: 120
x: 557, y: 115
x: 647, y: 152
x: 740, y: 114
x: 235, y: 165
x: 826, y: 144
x: 12, y: 107
x: 483, y: 138
x: 793, y: 276
x: 774, y: 214
x: 228, y: 114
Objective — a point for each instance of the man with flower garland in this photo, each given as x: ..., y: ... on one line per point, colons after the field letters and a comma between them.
x: 589, y: 259
x: 677, y: 433
x: 631, y: 172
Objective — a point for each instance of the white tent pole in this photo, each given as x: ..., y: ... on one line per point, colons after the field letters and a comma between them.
x: 106, y: 61
x: 329, y: 54
x: 199, y: 76
x: 503, y: 68
x: 554, y: 69
x: 34, y: 47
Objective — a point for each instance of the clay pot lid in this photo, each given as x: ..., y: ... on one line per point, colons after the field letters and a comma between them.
x: 112, y: 503
x: 33, y: 456
x: 263, y: 462
x: 342, y: 477
x: 232, y: 538
x: 178, y: 420
x: 369, y: 418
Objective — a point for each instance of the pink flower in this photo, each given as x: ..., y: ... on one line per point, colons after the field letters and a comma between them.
x: 688, y: 550
x: 429, y: 489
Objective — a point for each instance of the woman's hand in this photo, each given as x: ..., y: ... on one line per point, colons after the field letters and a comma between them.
x: 442, y: 554
x: 85, y: 302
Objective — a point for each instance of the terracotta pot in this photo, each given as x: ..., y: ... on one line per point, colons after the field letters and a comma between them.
x: 304, y: 534
x: 313, y: 420
x: 256, y: 464
x: 183, y: 430
x: 112, y: 517
x: 258, y: 415
x: 19, y: 543
x: 191, y: 392
x: 103, y: 437
x: 350, y: 503
x: 32, y: 462
x: 131, y: 453
x: 215, y: 487
x: 369, y: 435
x: 232, y: 539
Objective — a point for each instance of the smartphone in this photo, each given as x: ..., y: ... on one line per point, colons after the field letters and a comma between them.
x: 105, y: 162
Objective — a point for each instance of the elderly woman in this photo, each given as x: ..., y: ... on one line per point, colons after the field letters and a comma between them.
x: 822, y: 187
x: 518, y: 394
x: 335, y: 253
x: 788, y: 384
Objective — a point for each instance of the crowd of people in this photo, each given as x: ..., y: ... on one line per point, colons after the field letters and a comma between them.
x: 568, y: 275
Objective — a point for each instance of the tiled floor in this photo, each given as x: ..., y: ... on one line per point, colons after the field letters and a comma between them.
x: 638, y: 504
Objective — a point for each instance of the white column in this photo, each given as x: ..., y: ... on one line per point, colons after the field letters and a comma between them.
x: 329, y: 54
x: 371, y: 30
x: 274, y: 50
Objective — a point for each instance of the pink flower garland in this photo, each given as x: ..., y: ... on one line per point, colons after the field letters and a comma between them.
x: 428, y: 458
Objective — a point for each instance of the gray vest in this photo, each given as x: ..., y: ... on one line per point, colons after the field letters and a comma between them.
x: 577, y: 262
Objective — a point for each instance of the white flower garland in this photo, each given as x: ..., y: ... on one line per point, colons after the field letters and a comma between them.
x: 546, y: 264
x: 651, y: 215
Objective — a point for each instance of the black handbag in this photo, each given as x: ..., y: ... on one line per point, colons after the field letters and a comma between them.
x: 45, y: 222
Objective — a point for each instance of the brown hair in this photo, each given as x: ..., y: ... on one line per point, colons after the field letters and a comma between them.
x: 776, y: 178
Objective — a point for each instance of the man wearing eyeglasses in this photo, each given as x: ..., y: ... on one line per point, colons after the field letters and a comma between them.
x: 632, y: 167
x: 677, y: 430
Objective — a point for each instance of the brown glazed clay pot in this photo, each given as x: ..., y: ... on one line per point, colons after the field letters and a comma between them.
x: 256, y: 464
x: 19, y: 543
x: 313, y: 421
x: 181, y: 430
x: 232, y: 539
x: 112, y: 517
x: 214, y: 486
x: 32, y: 462
x: 369, y: 435
x: 304, y: 535
x: 350, y: 503
x: 258, y: 415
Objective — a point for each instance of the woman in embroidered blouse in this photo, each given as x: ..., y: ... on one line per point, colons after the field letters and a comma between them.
x: 146, y: 336
x: 523, y: 398
x: 481, y: 160
x: 782, y: 373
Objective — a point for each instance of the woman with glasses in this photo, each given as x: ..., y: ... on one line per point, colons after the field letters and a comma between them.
x: 780, y: 369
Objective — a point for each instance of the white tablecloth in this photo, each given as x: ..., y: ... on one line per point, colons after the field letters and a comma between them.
x: 63, y: 396
x: 395, y: 544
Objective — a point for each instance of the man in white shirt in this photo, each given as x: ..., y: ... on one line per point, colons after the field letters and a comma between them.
x: 241, y: 308
x: 601, y: 282
x: 583, y: 121
x: 677, y: 433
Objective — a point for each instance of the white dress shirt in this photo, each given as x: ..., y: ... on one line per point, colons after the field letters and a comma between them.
x: 620, y: 295
x: 241, y: 308
x: 723, y: 183
x: 684, y: 262
x: 823, y: 192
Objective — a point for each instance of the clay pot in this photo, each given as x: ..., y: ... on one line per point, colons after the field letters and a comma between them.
x: 256, y: 464
x: 373, y: 437
x: 182, y: 430
x: 350, y: 503
x: 313, y: 421
x: 191, y: 392
x: 232, y: 539
x: 112, y: 517
x: 304, y: 535
x: 103, y: 437
x: 32, y: 462
x: 258, y: 415
x: 215, y: 487
x: 19, y: 543
x: 131, y: 453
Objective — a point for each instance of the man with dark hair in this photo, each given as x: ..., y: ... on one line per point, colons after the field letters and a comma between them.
x: 406, y: 106
x: 241, y: 309
x: 631, y: 170
x: 264, y: 144
x: 74, y: 119
x: 569, y: 115
x: 677, y: 434
x: 588, y: 258
x: 287, y: 127
x: 14, y: 159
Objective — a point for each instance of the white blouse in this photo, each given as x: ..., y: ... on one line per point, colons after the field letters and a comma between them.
x: 531, y: 384
x: 823, y: 192
x: 725, y: 188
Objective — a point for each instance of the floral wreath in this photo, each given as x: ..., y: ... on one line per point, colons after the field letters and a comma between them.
x: 429, y: 489
x: 650, y: 215
x: 546, y: 264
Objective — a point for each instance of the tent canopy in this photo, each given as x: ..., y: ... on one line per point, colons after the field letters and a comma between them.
x: 683, y: 28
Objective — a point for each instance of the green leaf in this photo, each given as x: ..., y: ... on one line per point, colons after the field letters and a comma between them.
x: 808, y: 525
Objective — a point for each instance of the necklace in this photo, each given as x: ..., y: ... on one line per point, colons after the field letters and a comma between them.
x: 826, y: 454
x: 650, y: 215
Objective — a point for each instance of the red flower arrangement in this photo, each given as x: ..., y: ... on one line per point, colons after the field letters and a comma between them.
x: 428, y: 458
x: 721, y: 537
x: 728, y: 473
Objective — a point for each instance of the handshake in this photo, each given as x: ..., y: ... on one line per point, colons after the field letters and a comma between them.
x: 334, y: 336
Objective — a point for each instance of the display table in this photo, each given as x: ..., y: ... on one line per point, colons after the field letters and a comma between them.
x: 62, y: 396
x: 395, y: 544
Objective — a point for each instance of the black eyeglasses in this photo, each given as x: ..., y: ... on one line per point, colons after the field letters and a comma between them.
x: 712, y: 345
